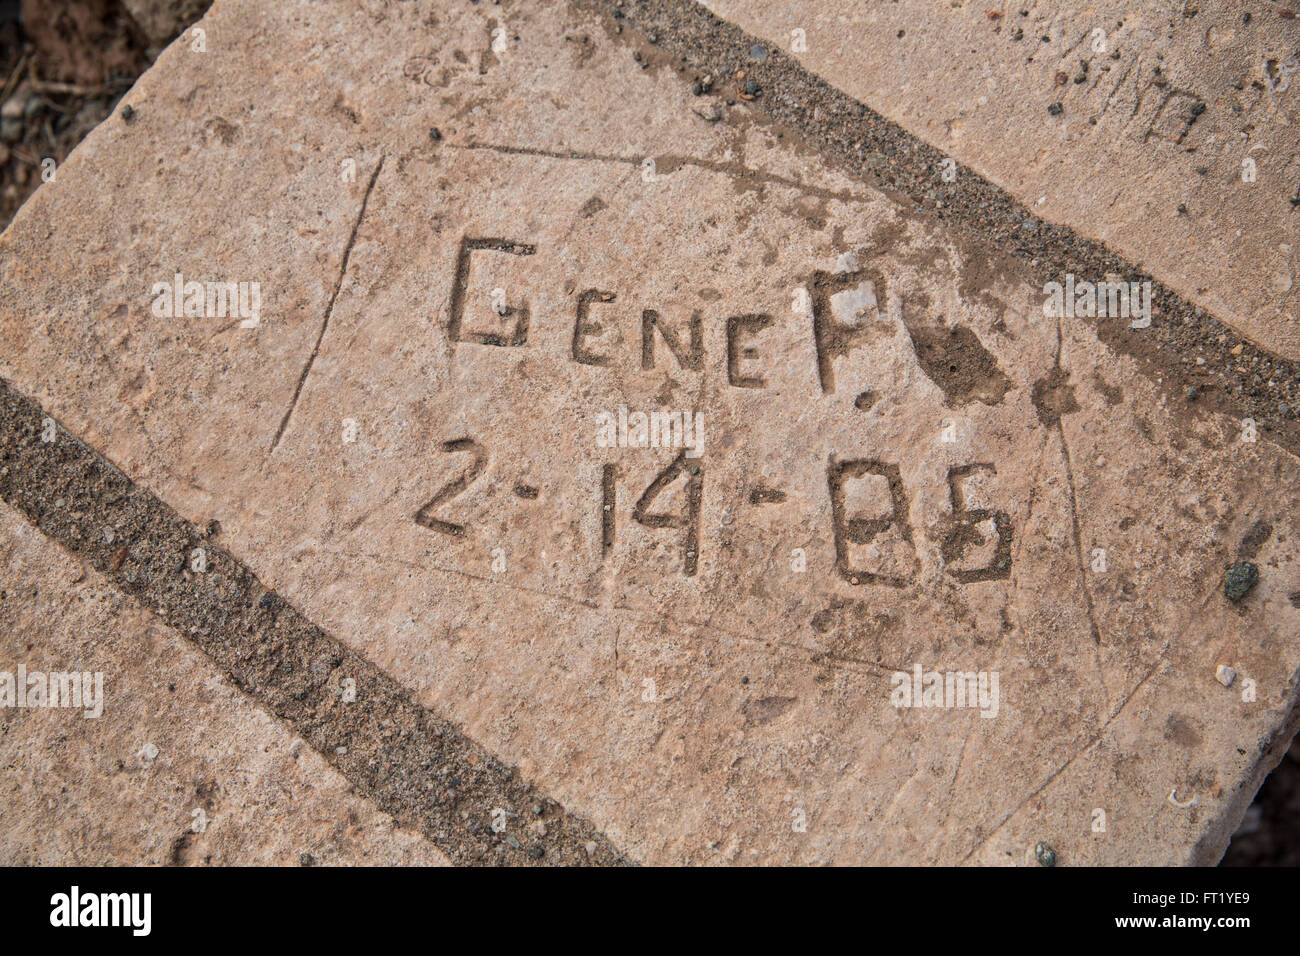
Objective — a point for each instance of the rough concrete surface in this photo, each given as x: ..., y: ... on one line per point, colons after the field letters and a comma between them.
x: 178, y: 768
x: 470, y: 255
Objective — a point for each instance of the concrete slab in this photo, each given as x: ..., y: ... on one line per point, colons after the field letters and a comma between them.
x: 476, y: 265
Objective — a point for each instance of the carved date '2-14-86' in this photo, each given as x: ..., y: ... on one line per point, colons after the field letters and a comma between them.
x: 962, y: 528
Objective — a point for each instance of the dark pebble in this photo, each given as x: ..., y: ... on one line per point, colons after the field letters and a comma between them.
x: 1239, y: 579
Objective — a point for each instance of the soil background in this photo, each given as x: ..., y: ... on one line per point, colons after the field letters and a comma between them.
x: 66, y: 63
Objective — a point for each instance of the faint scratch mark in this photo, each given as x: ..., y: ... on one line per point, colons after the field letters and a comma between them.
x: 1078, y: 542
x: 1074, y: 505
x: 706, y: 629
x: 329, y: 308
x: 952, y: 787
x: 1079, y: 753
x: 730, y: 169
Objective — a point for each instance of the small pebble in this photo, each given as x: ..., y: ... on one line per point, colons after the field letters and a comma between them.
x: 1225, y: 675
x: 1045, y: 855
x: 1239, y: 579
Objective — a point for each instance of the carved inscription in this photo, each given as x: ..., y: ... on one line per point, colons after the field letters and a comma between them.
x: 871, y: 522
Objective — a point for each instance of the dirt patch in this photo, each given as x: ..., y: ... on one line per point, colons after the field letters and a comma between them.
x: 956, y: 360
x: 64, y: 65
x: 86, y: 42
x: 1053, y: 396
